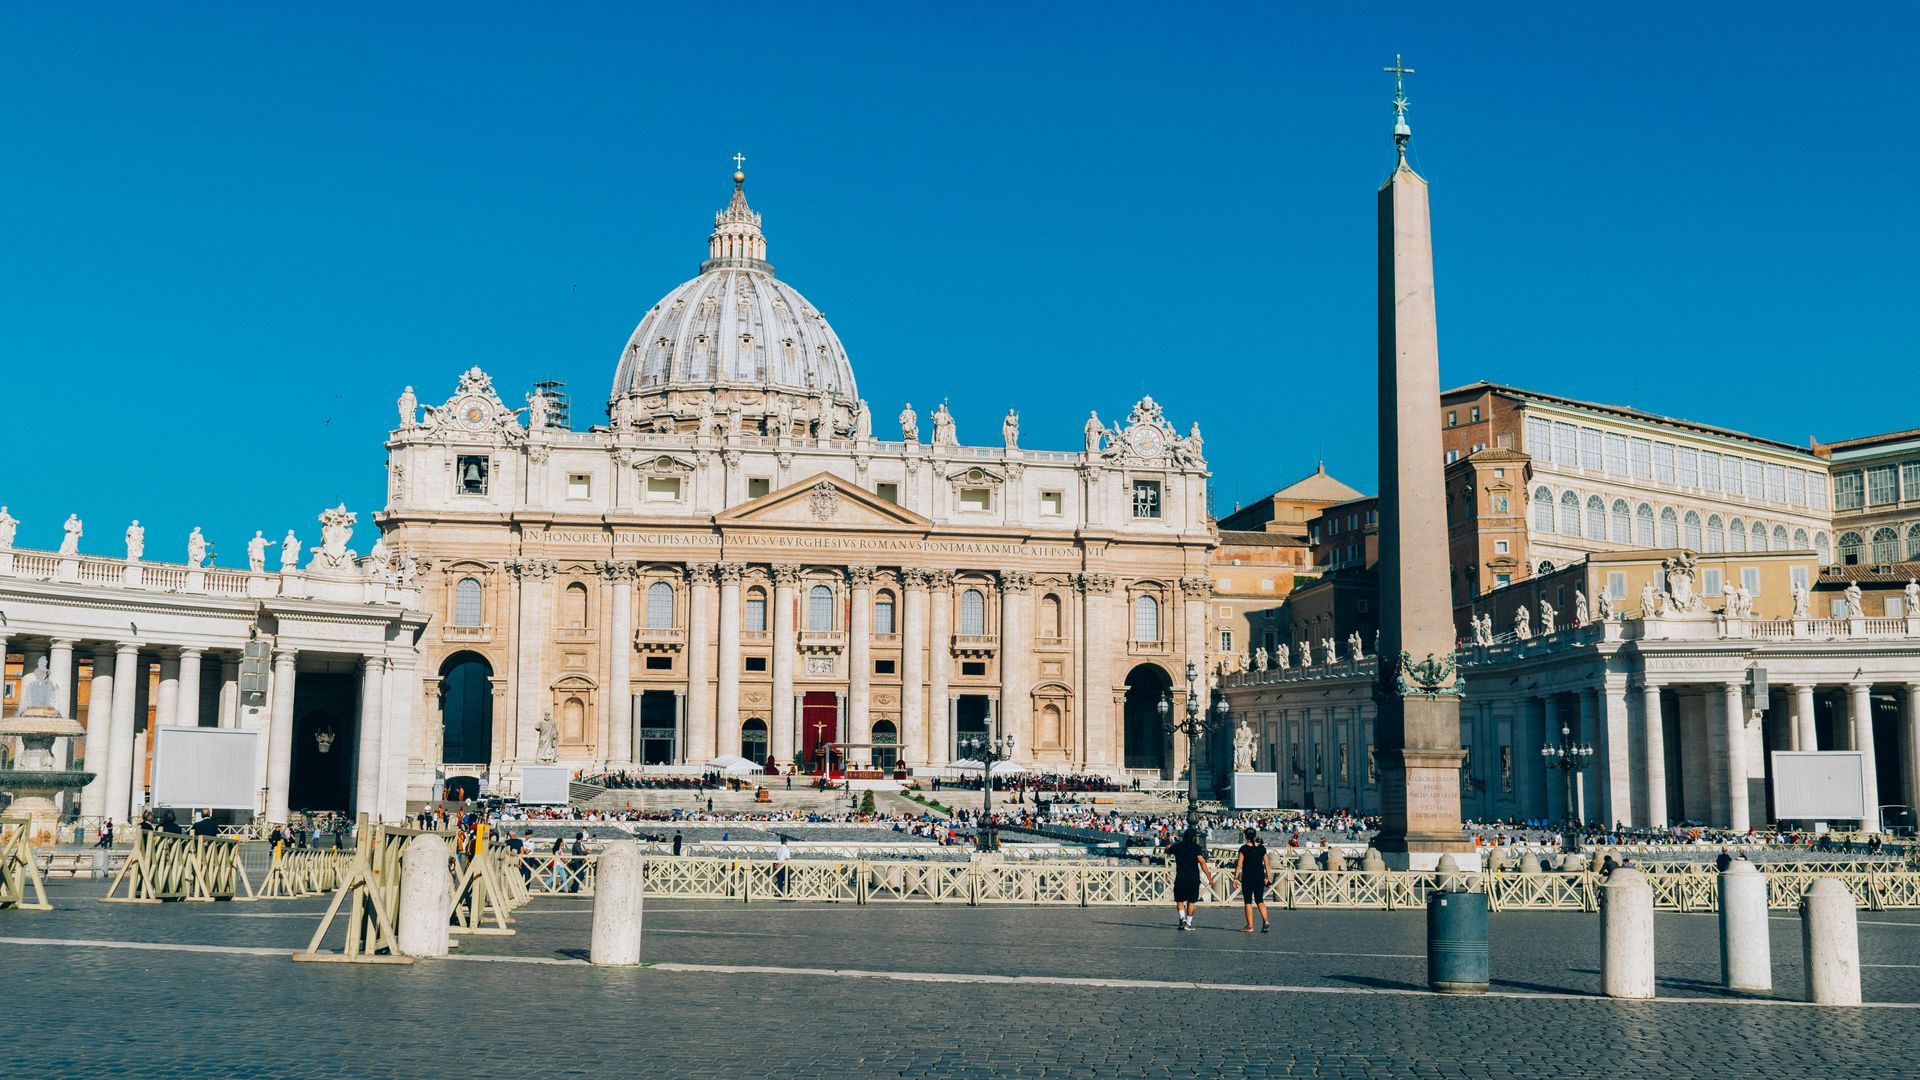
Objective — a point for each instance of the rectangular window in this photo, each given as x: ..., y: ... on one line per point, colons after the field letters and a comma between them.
x: 883, y: 615
x: 1710, y: 582
x: 1730, y: 474
x: 756, y: 663
x: 1709, y: 470
x: 1640, y: 458
x: 1617, y: 584
x: 889, y: 492
x: 1590, y: 457
x: 1663, y: 462
x: 1474, y: 415
x: 884, y: 667
x: 1452, y: 456
x: 1777, y: 483
x: 1453, y: 419
x: 663, y: 489
x: 1566, y: 444
x: 1755, y: 476
x: 1892, y: 608
x: 1539, y: 439
x: 1800, y: 576
x: 1797, y: 487
x: 659, y: 663
x: 1883, y: 485
x: 1817, y: 490
x: 1910, y: 481
x: 976, y: 499
x: 1146, y: 498
x: 973, y: 667
x: 1846, y: 490
x: 1837, y: 608
x: 579, y: 486
x: 1750, y: 577
x: 1502, y: 579
x: 1500, y: 547
x: 756, y: 614
x: 1616, y: 454
x: 1226, y: 641
x: 1050, y: 503
x: 758, y: 486
x: 472, y: 471
x: 1686, y: 466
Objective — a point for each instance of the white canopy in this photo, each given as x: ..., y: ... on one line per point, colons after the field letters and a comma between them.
x: 1008, y: 768
x: 966, y: 763
x: 728, y: 763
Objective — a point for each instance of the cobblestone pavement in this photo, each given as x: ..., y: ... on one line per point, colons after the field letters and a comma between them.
x: 1328, y: 993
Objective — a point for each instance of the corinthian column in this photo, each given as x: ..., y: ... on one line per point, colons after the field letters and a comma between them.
x: 913, y: 667
x: 616, y: 722
x: 699, y: 745
x: 1860, y: 712
x: 860, y: 656
x: 727, y: 697
x: 529, y: 637
x: 939, y: 661
x: 367, y: 741
x: 99, y: 749
x: 280, y: 734
x: 1102, y: 741
x: 786, y: 576
x: 1016, y: 695
x: 120, y: 776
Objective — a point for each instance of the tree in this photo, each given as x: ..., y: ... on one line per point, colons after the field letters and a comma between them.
x: 866, y: 803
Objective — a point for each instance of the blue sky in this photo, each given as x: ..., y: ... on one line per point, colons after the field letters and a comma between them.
x: 229, y: 234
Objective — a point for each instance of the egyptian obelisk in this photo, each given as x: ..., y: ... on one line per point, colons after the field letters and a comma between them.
x: 1417, y: 727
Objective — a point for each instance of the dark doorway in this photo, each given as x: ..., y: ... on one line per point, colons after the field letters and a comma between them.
x: 466, y: 709
x: 753, y: 741
x: 325, y: 727
x: 1146, y: 736
x: 658, y: 719
x: 971, y: 713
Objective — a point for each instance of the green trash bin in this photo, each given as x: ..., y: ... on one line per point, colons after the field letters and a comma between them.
x: 1457, y: 942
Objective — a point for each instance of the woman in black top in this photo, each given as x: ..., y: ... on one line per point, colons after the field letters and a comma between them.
x: 1253, y: 879
x: 1189, y: 862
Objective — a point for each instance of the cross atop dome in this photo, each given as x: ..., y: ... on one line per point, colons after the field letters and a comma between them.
x: 737, y: 239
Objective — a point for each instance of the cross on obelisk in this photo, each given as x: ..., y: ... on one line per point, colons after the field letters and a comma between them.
x: 739, y: 161
x: 1401, y: 132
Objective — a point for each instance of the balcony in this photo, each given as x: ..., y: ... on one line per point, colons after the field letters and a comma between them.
x: 466, y: 634
x: 975, y: 646
x: 659, y: 639
x: 822, y: 641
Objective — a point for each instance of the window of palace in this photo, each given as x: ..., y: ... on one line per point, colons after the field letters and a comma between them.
x: 1716, y: 534
x: 888, y: 491
x: 1837, y: 608
x: 1643, y: 525
x: 1620, y: 520
x: 883, y: 613
x: 758, y: 486
x: 1910, y: 480
x: 820, y: 608
x: 1777, y: 483
x: 1146, y: 498
x: 1891, y: 607
x: 756, y: 611
x: 1453, y: 419
x: 1663, y: 462
x: 1640, y: 458
x: 976, y: 498
x: 1710, y: 582
x: 1502, y: 579
x: 1500, y: 547
x: 1759, y: 537
x: 1797, y: 487
x: 1542, y: 510
x: 883, y: 667
x: 1226, y: 641
x: 1050, y: 616
x: 1851, y: 545
x: 1799, y: 575
x: 1821, y: 548
x: 466, y: 602
x: 663, y: 489
x: 973, y: 613
x: 973, y: 667
x: 1617, y: 584
x: 1883, y: 485
x: 1690, y: 530
x: 1686, y: 466
x: 1709, y: 470
x: 1750, y: 579
x: 573, y: 607
x: 1146, y: 619
x: 1590, y: 455
x: 1730, y: 474
x: 472, y: 471
x: 1669, y: 527
x: 1569, y: 513
x: 1736, y: 535
x: 1886, y: 546
x: 1050, y: 504
x: 1596, y: 517
x: 1913, y: 542
x: 579, y: 486
x: 659, y: 663
x: 1780, y: 538
x: 1474, y: 413
x: 659, y: 606
x: 755, y: 663
x: 1614, y: 452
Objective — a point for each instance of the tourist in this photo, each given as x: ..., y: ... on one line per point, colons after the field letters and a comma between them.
x: 579, y: 852
x: 1189, y: 863
x: 1254, y: 876
x: 677, y: 840
x: 203, y: 825
x: 106, y: 833
x: 780, y: 856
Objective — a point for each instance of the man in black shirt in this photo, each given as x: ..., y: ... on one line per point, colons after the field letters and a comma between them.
x: 1189, y: 863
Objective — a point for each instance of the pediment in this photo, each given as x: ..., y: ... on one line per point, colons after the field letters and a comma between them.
x: 823, y: 501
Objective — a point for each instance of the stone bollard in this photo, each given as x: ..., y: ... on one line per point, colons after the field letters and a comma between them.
x: 1372, y: 862
x: 1829, y: 929
x: 426, y: 896
x: 1746, y: 956
x: 1626, y: 935
x: 617, y: 906
x: 1529, y: 863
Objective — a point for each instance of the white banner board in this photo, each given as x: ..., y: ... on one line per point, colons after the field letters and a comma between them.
x: 209, y: 768
x: 1828, y: 785
x: 544, y: 785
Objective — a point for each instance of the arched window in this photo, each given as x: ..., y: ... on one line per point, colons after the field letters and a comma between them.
x: 1850, y: 546
x: 573, y: 607
x: 1146, y: 618
x: 1643, y: 525
x: 1049, y: 616
x: 973, y: 612
x: 1596, y: 517
x: 1780, y: 538
x: 1736, y: 535
x: 1669, y: 527
x: 756, y: 621
x: 1716, y: 534
x: 1886, y: 546
x: 1542, y: 510
x: 1569, y: 513
x: 1800, y: 541
x: 659, y: 606
x: 1822, y: 549
x: 1759, y: 537
x: 1622, y: 532
x: 820, y: 608
x: 1913, y: 543
x: 1690, y: 530
x: 573, y: 720
x: 466, y: 602
x: 1543, y: 569
x: 883, y: 613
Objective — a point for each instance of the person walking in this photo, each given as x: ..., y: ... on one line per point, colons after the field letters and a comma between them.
x: 1253, y: 880
x: 677, y: 840
x: 106, y: 833
x: 780, y: 856
x: 1189, y: 864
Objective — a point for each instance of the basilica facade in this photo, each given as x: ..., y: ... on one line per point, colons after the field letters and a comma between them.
x: 735, y: 564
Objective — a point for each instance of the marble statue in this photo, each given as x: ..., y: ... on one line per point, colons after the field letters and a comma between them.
x: 1580, y: 612
x: 1743, y: 597
x: 536, y: 411
x: 1649, y: 600
x: 1604, y: 606
x: 1801, y: 599
x: 8, y: 525
x: 1244, y: 661
x: 1329, y: 651
x: 909, y: 424
x: 38, y: 690
x: 1483, y: 630
x: 1306, y: 654
x: 409, y: 409
x: 1010, y: 430
x: 782, y: 417
x: 1546, y: 618
x: 409, y: 567
x: 736, y: 417
x: 136, y: 541
x: 289, y: 552
x: 1282, y: 656
x: 620, y: 413
x: 1855, y: 609
x: 943, y: 430
x: 862, y: 421
x: 1243, y: 748
x: 196, y: 549
x: 549, y: 734
x: 1522, y: 630
x: 1355, y: 648
x: 70, y: 543
x: 257, y: 551
x: 1260, y: 658
x: 1912, y: 594
x: 336, y: 528
x: 1095, y: 432
x: 1729, y: 600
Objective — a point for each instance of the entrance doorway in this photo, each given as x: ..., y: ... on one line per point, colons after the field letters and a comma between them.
x: 753, y: 741
x: 325, y: 731
x: 466, y: 709
x: 1146, y: 737
x: 819, y: 725
x: 972, y: 714
x: 658, y: 719
x: 886, y: 749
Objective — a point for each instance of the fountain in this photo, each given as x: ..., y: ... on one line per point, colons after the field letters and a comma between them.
x: 35, y: 780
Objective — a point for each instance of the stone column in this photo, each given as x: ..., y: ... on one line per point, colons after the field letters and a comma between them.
x: 1734, y: 705
x: 529, y: 638
x: 1910, y: 740
x: 60, y: 665
x: 229, y: 692
x: 99, y: 752
x: 397, y: 740
x: 859, y: 718
x: 913, y: 666
x: 786, y: 577
x: 1584, y: 794
x: 1860, y: 713
x: 699, y: 747
x: 727, y: 696
x: 367, y: 739
x: 1654, y: 768
x: 1195, y: 591
x: 939, y: 661
x: 1016, y: 695
x: 1103, y: 746
x: 119, y: 765
x: 188, y: 694
x: 1619, y: 759
x: 166, y: 705
x: 280, y: 735
x: 1553, y: 781
x: 617, y: 705
x: 1803, y: 720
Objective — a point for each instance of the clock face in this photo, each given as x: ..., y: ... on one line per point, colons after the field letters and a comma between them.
x: 1146, y: 441
x: 473, y: 412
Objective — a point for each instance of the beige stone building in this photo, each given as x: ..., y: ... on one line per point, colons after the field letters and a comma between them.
x: 735, y: 564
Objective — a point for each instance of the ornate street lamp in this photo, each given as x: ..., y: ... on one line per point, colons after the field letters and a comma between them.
x: 1195, y: 725
x: 1571, y: 757
x: 989, y: 751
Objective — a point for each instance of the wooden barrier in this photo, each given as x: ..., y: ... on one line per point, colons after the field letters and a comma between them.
x: 19, y: 869
x: 369, y: 894
x: 177, y: 866
x: 487, y: 888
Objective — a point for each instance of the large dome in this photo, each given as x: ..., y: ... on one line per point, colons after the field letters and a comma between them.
x: 735, y: 326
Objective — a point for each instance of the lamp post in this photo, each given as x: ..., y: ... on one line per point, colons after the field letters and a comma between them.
x: 990, y: 751
x: 1571, y: 757
x: 1195, y: 725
